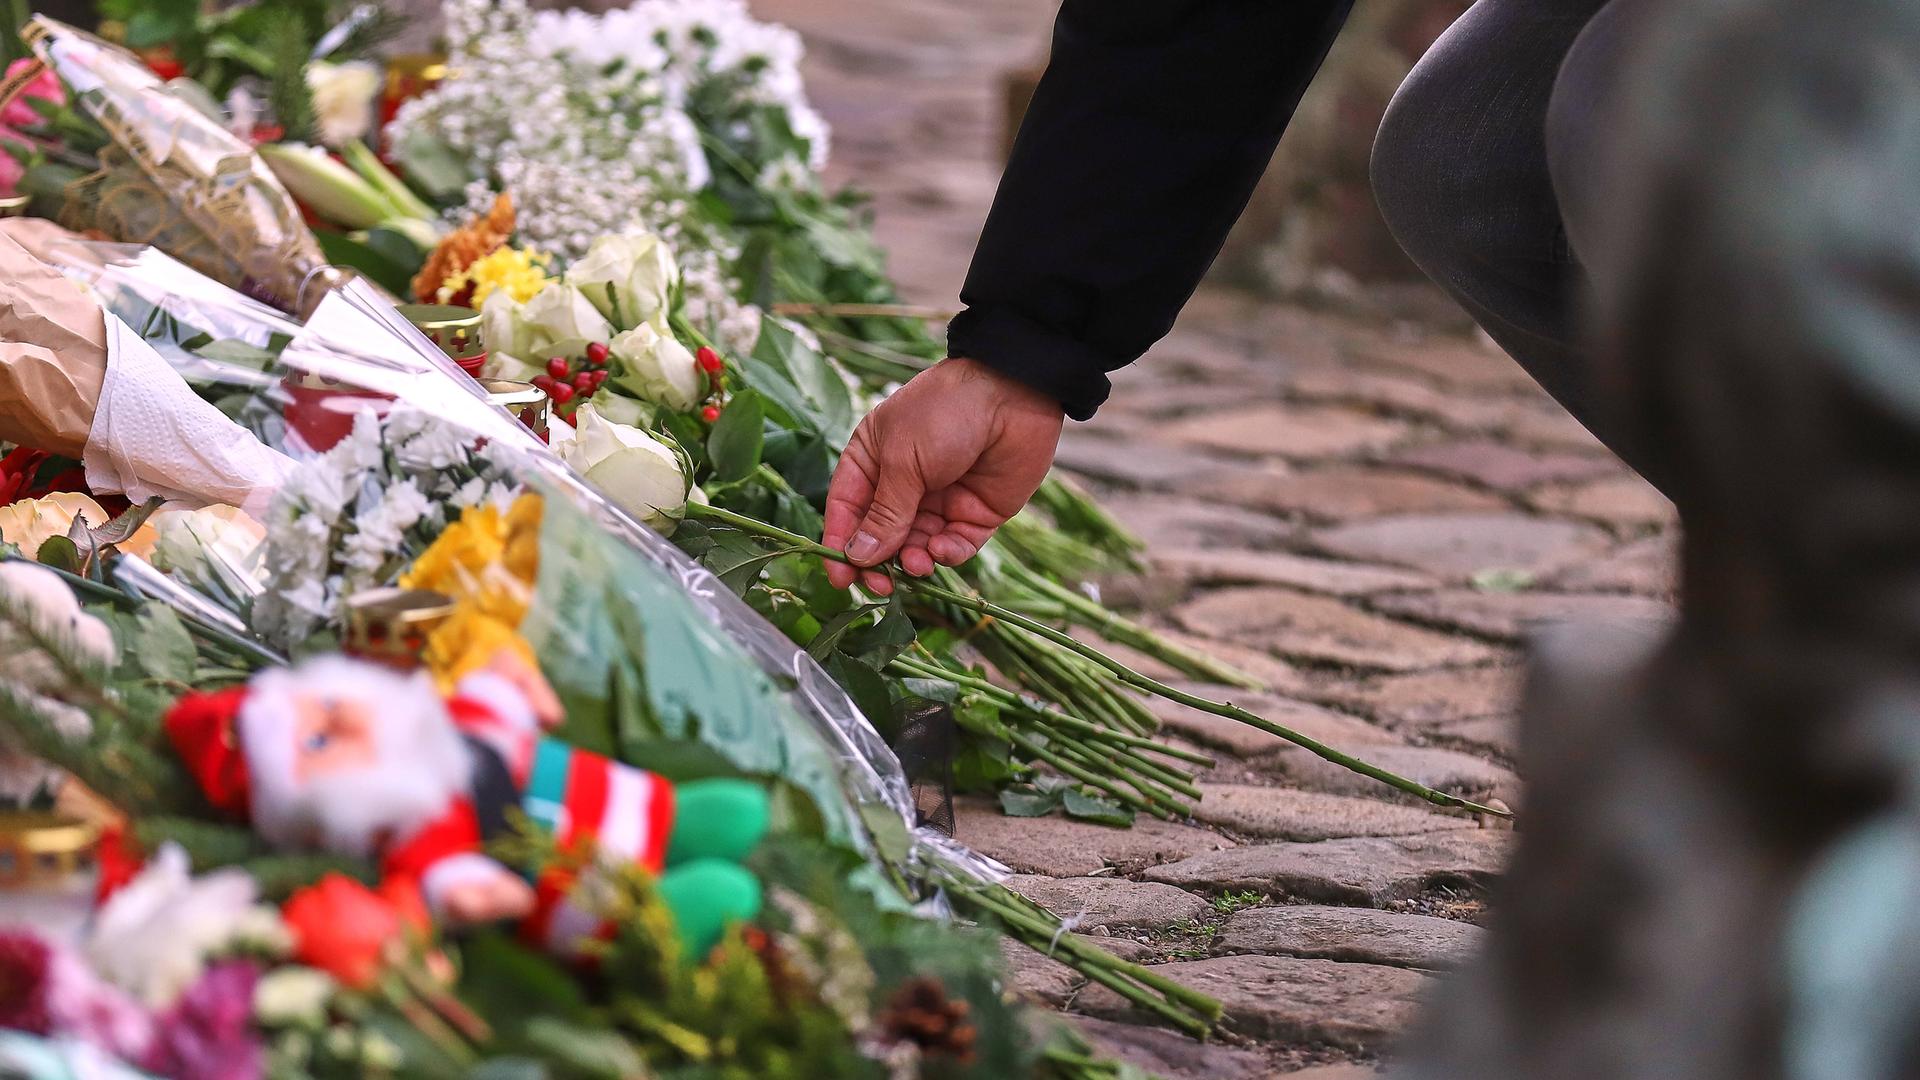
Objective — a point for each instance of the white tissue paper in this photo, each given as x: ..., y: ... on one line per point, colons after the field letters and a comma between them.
x: 153, y: 436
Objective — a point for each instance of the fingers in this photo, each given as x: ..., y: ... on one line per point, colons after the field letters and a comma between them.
x: 847, y: 498
x: 960, y: 541
x: 889, y: 518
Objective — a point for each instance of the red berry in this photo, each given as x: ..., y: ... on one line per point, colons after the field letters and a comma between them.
x: 708, y: 360
x: 544, y: 381
x: 561, y: 393
x: 583, y: 382
x: 598, y: 378
x: 597, y: 353
x: 710, y: 413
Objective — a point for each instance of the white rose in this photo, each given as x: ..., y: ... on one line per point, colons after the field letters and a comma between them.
x: 222, y: 536
x: 559, y: 319
x: 343, y: 99
x: 637, y: 472
x: 629, y: 278
x: 656, y: 367
x: 503, y: 326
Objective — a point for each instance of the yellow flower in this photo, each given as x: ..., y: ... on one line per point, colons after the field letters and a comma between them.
x: 486, y: 562
x: 28, y: 523
x: 520, y: 272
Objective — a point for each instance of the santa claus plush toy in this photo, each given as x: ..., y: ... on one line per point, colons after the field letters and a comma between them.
x: 352, y: 757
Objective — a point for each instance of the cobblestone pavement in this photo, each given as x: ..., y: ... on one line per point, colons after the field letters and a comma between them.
x: 1367, y: 512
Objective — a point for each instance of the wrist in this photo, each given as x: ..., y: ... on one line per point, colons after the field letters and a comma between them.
x: 1007, y: 388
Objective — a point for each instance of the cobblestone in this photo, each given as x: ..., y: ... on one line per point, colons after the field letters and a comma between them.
x: 1355, y: 935
x: 1285, y: 814
x: 1217, y: 567
x: 1360, y: 870
x: 1625, y: 503
x: 1427, y: 698
x: 1502, y: 467
x: 1115, y: 903
x: 1357, y: 1006
x: 1344, y: 493
x: 1461, y: 545
x: 1451, y: 771
x: 1513, y: 616
x: 1317, y: 628
x: 1290, y: 431
x: 1246, y: 741
x: 1062, y: 847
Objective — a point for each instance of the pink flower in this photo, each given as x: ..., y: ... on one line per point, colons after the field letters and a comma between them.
x: 208, y: 1034
x: 45, y: 86
x: 47, y: 990
x: 10, y: 168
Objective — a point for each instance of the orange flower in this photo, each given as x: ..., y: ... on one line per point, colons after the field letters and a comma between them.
x: 350, y: 931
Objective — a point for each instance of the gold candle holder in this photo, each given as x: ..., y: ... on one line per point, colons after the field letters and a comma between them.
x: 527, y: 402
x: 390, y: 625
x: 454, y: 328
x: 39, y: 847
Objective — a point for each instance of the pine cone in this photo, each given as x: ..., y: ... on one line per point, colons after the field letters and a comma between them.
x: 921, y: 1013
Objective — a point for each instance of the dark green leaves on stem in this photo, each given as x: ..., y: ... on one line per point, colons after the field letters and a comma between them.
x: 800, y: 383
x: 1048, y: 794
x: 738, y: 437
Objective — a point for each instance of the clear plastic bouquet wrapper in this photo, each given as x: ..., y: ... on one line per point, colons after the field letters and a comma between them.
x: 170, y: 175
x: 428, y: 757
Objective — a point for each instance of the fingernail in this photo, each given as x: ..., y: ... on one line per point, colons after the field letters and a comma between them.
x: 864, y: 547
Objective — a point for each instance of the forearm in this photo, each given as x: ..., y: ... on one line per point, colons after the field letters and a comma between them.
x: 1144, y: 140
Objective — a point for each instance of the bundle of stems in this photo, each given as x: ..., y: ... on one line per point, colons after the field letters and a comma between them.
x: 1132, y: 769
x: 1039, y: 929
x: 938, y: 589
x: 1035, y: 664
x: 1039, y: 596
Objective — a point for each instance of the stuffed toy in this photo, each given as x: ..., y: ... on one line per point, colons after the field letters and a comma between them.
x: 349, y: 756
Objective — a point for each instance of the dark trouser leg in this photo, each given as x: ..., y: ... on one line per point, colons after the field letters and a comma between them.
x: 1461, y: 173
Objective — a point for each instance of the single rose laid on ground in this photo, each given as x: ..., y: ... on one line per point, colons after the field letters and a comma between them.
x: 642, y: 475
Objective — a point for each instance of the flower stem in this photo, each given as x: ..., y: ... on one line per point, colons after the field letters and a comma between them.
x: 1121, y: 671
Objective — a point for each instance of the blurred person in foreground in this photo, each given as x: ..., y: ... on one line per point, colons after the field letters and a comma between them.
x: 1144, y: 140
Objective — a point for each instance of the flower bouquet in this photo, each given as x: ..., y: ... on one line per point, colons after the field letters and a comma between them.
x: 449, y: 766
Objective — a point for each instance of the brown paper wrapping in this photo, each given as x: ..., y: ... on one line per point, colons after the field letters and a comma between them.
x: 53, y: 355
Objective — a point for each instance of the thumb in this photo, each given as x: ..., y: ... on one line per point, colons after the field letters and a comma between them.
x: 896, y: 502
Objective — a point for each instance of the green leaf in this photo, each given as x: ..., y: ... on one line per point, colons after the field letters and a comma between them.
x: 162, y: 646
x: 378, y: 263
x: 432, y: 166
x: 863, y: 684
x: 801, y: 382
x: 588, y: 1051
x: 236, y: 352
x: 1017, y: 802
x: 1503, y: 580
x: 734, y: 447
x: 61, y: 553
x: 1101, y: 811
x: 122, y: 528
x: 823, y: 645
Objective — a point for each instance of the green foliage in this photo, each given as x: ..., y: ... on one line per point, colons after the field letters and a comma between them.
x: 734, y: 447
x: 286, y: 44
x: 1048, y: 793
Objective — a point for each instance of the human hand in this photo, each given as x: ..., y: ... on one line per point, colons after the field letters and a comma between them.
x: 935, y: 469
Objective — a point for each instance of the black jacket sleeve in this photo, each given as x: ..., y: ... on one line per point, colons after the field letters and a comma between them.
x: 1153, y: 122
